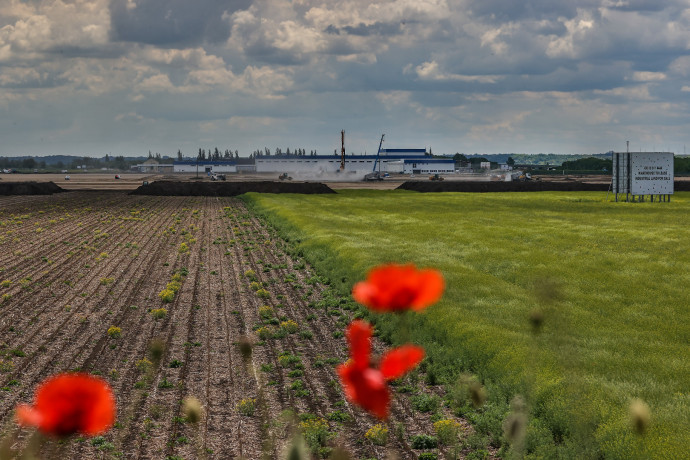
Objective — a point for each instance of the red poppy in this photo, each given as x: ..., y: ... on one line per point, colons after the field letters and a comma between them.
x: 70, y: 403
x: 393, y: 288
x: 366, y: 386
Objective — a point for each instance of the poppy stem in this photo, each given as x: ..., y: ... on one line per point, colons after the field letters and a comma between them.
x: 403, y: 327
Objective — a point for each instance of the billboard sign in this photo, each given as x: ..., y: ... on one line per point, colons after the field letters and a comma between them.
x: 643, y: 173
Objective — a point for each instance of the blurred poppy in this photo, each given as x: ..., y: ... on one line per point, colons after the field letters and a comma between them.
x: 366, y: 386
x: 394, y: 288
x: 70, y: 403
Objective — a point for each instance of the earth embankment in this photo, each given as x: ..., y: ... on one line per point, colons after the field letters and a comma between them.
x: 175, y: 188
x: 29, y: 188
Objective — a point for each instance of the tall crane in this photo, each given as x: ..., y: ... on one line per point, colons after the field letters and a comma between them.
x: 342, y: 150
x: 374, y: 174
x: 378, y: 152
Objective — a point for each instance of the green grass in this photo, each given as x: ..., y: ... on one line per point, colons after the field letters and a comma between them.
x: 611, y: 280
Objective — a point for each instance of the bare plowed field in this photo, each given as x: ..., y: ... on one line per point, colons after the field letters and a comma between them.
x: 74, y: 264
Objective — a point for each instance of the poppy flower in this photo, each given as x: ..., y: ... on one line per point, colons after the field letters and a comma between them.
x: 396, y: 288
x: 70, y: 403
x: 367, y: 386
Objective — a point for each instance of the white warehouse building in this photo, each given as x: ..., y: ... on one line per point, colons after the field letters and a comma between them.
x: 389, y: 161
x: 205, y: 166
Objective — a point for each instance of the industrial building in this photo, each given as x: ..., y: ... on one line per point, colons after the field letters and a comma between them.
x: 392, y: 161
x: 205, y: 166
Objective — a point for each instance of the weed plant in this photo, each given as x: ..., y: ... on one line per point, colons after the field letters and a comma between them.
x: 377, y: 434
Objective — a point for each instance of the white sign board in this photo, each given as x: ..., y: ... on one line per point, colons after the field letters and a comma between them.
x: 643, y: 173
x: 652, y: 173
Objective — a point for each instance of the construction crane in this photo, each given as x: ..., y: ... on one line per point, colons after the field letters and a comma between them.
x: 374, y: 174
x: 342, y: 150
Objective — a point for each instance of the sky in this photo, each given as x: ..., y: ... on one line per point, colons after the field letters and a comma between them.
x: 122, y: 77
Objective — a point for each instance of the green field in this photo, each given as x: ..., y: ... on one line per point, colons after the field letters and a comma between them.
x: 610, y: 279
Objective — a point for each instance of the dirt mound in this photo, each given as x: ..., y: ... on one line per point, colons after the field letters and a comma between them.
x: 500, y: 186
x: 176, y: 188
x: 29, y: 188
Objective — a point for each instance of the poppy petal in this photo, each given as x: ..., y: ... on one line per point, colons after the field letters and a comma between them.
x: 69, y: 403
x: 26, y: 416
x: 431, y: 286
x: 359, y: 337
x: 390, y: 288
x: 399, y: 361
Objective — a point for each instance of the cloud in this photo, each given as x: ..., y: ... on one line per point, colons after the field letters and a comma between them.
x: 172, y: 23
x: 431, y: 71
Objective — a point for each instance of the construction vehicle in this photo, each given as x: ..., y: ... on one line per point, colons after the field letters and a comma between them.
x: 436, y: 177
x: 374, y: 174
x: 284, y: 176
x: 520, y: 176
x: 215, y: 177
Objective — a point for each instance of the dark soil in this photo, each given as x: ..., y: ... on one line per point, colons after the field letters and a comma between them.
x: 176, y: 188
x: 29, y: 188
x: 500, y: 186
x: 531, y: 186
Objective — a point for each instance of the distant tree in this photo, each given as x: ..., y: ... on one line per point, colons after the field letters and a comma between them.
x: 179, y: 155
x: 589, y: 163
x: 28, y: 163
x: 150, y: 156
x: 460, y: 158
x: 510, y: 161
x: 107, y: 158
x: 287, y: 152
x: 237, y: 154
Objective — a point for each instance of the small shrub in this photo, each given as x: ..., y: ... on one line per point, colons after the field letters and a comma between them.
x: 428, y: 456
x: 5, y: 283
x: 114, y: 332
x: 6, y: 297
x: 175, y: 364
x: 173, y: 286
x: 159, y: 313
x: 377, y: 434
x: 266, y: 312
x: 183, y: 248
x: 246, y: 407
x: 167, y: 295
x: 288, y: 360
x: 254, y: 285
x: 107, y: 281
x: 447, y: 431
x: 306, y: 334
x: 263, y: 294
x: 6, y: 366
x: 264, y: 333
x: 250, y: 275
x: 425, y: 403
x: 339, y: 416
x: 290, y: 326
x: 315, y: 432
x: 423, y: 441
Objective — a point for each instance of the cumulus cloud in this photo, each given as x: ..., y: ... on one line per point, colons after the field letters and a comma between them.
x: 172, y: 23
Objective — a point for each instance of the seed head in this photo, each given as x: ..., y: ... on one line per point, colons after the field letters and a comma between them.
x: 192, y: 410
x: 156, y: 350
x: 245, y: 345
x: 297, y: 449
x: 640, y: 416
x: 477, y: 393
x: 536, y: 319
